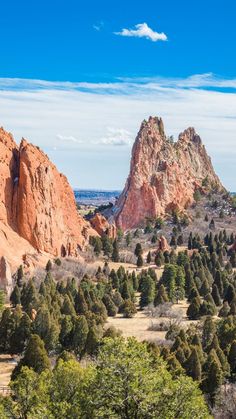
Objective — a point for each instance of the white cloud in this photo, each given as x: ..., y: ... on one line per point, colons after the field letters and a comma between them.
x: 116, y: 137
x: 39, y: 110
x: 142, y: 30
x: 69, y: 138
x: 98, y: 26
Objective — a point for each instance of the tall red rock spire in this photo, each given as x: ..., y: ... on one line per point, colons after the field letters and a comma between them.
x: 163, y: 175
x: 37, y: 205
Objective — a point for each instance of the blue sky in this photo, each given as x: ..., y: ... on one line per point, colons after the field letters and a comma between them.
x: 71, y: 82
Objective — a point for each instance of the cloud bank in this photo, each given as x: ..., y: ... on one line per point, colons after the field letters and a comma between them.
x: 97, y: 122
x: 142, y: 30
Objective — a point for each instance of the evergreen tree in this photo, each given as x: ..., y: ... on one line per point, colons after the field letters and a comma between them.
x: 68, y: 307
x: 225, y: 309
x: 49, y: 266
x: 92, y: 340
x: 208, y: 332
x: 139, y: 261
x: 128, y: 239
x: 115, y: 253
x: 138, y: 250
x: 213, y: 375
x: 161, y: 296
x: 110, y: 306
x: 232, y: 358
x: 149, y: 258
x: 232, y: 259
x: 35, y: 357
x: 20, y: 276
x: 216, y: 295
x: 230, y: 294
x: 180, y: 284
x: 193, y: 309
x: 193, y: 365
x: 147, y: 292
x: 81, y: 307
x: 15, y: 296
x: 125, y: 292
x: 128, y: 309
x: 80, y: 335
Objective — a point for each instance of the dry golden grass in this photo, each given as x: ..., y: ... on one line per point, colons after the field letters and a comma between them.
x: 138, y: 326
x: 7, y: 365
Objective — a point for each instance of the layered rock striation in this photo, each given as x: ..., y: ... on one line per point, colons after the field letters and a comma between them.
x: 37, y: 206
x: 163, y: 175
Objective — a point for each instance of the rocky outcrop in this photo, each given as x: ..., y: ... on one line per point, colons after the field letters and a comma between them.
x: 37, y: 206
x: 162, y: 244
x: 46, y: 210
x: 163, y: 175
x: 6, y: 280
x: 103, y: 227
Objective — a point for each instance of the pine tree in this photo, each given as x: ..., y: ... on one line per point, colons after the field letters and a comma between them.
x: 110, y: 306
x: 115, y: 253
x: 213, y: 375
x: 232, y: 358
x: 232, y: 259
x: 180, y: 284
x: 233, y: 307
x: 204, y: 288
x: 147, y: 292
x: 81, y: 307
x: 225, y: 309
x: 20, y: 276
x: 193, y: 309
x: 208, y: 332
x: 128, y: 309
x: 35, y: 357
x: 138, y: 250
x: 161, y: 296
x: 21, y: 335
x: 128, y: 239
x: 67, y: 307
x: 125, y: 292
x: 149, y: 258
x: 79, y: 335
x: 49, y: 266
x: 216, y: 295
x: 139, y: 261
x: 230, y: 294
x: 193, y: 365
x: 15, y: 296
x: 92, y: 340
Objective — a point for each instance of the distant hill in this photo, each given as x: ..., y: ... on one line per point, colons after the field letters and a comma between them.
x: 95, y: 197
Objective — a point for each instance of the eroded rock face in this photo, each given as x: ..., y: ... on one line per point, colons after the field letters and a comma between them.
x: 46, y: 212
x: 6, y: 280
x: 163, y: 175
x: 163, y: 244
x: 103, y: 227
x: 37, y: 206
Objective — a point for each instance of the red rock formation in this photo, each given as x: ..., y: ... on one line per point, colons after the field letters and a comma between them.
x: 37, y: 205
x: 102, y: 226
x: 163, y: 244
x: 46, y: 212
x: 163, y: 175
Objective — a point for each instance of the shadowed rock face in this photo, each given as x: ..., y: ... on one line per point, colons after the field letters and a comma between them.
x: 37, y: 203
x: 163, y: 175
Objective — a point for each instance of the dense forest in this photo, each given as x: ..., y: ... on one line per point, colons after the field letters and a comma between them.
x: 72, y: 365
